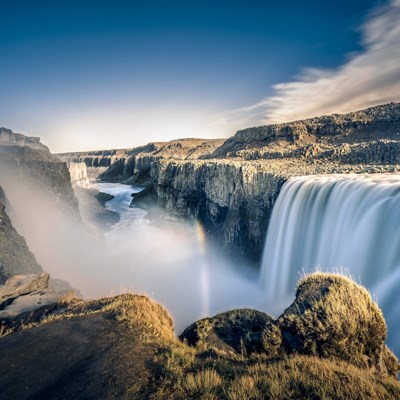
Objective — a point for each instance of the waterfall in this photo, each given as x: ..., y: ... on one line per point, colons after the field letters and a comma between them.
x: 331, y: 222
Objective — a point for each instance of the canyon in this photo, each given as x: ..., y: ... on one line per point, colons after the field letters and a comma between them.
x: 229, y: 189
x: 231, y: 186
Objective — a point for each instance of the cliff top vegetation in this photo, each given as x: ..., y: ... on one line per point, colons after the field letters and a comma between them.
x: 125, y: 347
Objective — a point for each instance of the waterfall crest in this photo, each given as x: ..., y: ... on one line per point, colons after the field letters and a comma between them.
x: 334, y: 222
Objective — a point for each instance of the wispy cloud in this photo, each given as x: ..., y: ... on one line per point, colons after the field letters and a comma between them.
x: 367, y: 78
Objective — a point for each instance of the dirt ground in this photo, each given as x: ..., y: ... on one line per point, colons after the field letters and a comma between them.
x: 89, y: 357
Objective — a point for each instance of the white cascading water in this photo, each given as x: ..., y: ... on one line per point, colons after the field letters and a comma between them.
x: 332, y: 222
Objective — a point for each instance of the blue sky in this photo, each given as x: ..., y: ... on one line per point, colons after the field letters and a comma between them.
x: 108, y: 74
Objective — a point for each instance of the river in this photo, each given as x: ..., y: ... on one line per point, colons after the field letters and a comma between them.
x: 169, y: 261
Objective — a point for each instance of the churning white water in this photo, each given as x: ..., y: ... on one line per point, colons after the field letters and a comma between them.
x: 334, y: 222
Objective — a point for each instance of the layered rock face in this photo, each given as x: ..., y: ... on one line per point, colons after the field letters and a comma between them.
x: 232, y: 200
x: 375, y: 132
x: 135, y: 163
x: 24, y: 160
x: 96, y: 162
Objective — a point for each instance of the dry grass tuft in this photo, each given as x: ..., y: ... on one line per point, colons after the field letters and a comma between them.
x: 138, y: 311
x: 144, y: 314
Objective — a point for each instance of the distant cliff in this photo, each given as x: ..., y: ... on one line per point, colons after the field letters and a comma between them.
x: 331, y: 136
x: 231, y: 185
x: 135, y: 163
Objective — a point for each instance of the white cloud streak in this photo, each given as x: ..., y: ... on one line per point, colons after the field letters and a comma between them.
x: 367, y: 78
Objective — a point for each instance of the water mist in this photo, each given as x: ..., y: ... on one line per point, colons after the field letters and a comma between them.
x: 167, y: 260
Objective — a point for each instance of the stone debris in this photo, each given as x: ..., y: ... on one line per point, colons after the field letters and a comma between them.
x: 26, y: 293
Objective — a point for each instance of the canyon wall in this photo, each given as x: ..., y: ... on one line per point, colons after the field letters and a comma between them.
x: 35, y: 188
x: 231, y: 185
x: 234, y: 199
x: 25, y: 161
x: 15, y: 256
x: 134, y: 164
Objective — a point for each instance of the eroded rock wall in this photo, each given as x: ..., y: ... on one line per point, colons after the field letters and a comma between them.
x: 27, y: 162
x: 233, y: 201
x: 15, y: 256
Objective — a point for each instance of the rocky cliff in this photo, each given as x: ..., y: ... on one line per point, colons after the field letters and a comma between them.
x: 328, y: 136
x: 134, y: 164
x: 233, y: 193
x: 234, y: 199
x: 15, y: 256
x: 24, y: 160
x: 35, y: 188
x: 231, y: 186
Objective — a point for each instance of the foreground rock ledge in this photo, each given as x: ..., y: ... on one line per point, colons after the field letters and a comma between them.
x: 125, y: 347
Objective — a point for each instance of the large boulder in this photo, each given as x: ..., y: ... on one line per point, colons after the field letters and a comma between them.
x: 237, y: 330
x: 23, y: 284
x: 333, y: 317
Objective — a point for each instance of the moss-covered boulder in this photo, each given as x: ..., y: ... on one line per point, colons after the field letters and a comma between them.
x: 333, y: 317
x: 237, y: 330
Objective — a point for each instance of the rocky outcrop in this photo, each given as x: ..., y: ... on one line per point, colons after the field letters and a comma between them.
x: 25, y: 161
x: 15, y: 256
x: 25, y: 298
x: 9, y: 138
x: 331, y: 317
x: 22, y: 284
